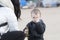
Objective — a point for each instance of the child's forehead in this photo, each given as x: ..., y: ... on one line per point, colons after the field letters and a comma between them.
x: 35, y: 12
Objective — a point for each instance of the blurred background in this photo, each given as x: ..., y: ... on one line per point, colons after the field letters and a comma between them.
x: 39, y: 3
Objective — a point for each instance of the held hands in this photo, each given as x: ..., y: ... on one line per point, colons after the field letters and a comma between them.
x: 26, y: 31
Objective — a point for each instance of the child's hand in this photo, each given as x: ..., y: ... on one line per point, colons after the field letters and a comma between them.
x: 26, y: 31
x: 36, y: 20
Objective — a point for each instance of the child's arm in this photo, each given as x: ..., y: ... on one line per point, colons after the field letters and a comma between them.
x: 40, y: 26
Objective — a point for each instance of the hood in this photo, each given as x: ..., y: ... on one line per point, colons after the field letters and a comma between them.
x: 7, y: 3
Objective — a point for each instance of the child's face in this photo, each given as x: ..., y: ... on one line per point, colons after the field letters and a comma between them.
x: 35, y: 16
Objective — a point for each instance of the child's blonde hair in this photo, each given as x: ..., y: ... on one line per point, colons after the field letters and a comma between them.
x: 35, y: 11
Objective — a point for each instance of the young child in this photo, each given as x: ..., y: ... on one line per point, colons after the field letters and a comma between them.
x: 36, y: 27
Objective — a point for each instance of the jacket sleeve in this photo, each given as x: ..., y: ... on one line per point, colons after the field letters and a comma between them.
x: 40, y: 27
x: 7, y: 3
x: 12, y: 21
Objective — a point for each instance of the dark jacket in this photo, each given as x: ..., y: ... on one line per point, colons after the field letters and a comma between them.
x: 36, y: 30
